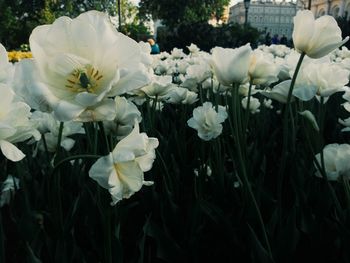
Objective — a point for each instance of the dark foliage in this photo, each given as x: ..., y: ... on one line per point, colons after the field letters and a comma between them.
x: 206, y: 36
x: 344, y: 24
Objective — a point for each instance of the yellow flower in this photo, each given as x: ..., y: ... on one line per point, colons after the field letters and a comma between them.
x: 15, y: 56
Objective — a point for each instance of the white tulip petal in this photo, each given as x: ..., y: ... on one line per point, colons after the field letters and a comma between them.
x: 304, y: 26
x: 102, y: 170
x: 131, y: 176
x: 130, y: 82
x: 278, y: 92
x: 305, y: 93
x: 66, y: 111
x: 10, y: 151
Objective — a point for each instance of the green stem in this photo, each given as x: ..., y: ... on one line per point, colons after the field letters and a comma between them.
x: 201, y: 94
x: 71, y: 158
x: 108, y: 233
x: 2, y: 239
x: 248, y: 110
x: 321, y: 170
x: 59, y: 139
x: 152, y: 113
x: 324, y: 176
x: 57, y: 182
x: 88, y: 134
x: 246, y: 183
x: 287, y: 112
x: 321, y: 126
x: 46, y: 149
x: 166, y: 180
x: 345, y: 181
x: 104, y: 135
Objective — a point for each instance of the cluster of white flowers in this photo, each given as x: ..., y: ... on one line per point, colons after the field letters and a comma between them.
x: 83, y: 70
x: 48, y: 126
x: 79, y: 68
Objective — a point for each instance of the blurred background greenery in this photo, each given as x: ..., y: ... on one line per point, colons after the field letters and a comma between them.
x: 183, y: 22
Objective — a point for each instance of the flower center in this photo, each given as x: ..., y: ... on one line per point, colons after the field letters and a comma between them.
x: 84, y: 79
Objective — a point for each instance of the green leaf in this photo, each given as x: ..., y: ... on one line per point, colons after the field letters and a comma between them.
x: 310, y: 118
x: 167, y: 248
x: 288, y: 237
x: 31, y: 258
x: 260, y: 252
x: 2, y: 239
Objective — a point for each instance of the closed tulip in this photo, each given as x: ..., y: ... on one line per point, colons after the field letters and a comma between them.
x: 316, y: 37
x: 231, y: 65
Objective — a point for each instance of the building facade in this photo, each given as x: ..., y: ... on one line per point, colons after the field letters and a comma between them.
x: 335, y: 8
x: 267, y: 16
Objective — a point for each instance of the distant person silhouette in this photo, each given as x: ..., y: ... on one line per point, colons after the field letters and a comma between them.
x: 268, y: 39
x: 284, y: 40
x: 154, y: 46
x: 275, y: 39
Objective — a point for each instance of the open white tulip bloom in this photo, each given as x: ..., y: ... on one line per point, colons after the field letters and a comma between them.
x: 199, y: 72
x: 336, y: 161
x: 207, y: 121
x: 323, y: 79
x: 121, y: 172
x: 346, y: 123
x: 81, y: 62
x: 262, y: 69
x: 6, y: 69
x: 317, y: 37
x: 254, y: 104
x: 48, y: 126
x: 181, y: 95
x: 24, y: 81
x: 14, y: 124
x: 159, y: 87
x: 127, y: 113
x: 231, y: 65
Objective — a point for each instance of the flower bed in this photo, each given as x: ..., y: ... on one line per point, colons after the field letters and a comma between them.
x: 244, y: 152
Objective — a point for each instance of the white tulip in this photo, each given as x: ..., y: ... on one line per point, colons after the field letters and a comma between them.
x: 317, y: 37
x: 121, y: 172
x: 83, y: 61
x: 14, y: 124
x: 159, y: 87
x: 207, y: 121
x: 336, y: 161
x: 323, y: 79
x: 231, y: 65
x: 6, y: 69
x: 49, y: 128
x: 262, y: 69
x: 123, y: 123
x: 254, y: 104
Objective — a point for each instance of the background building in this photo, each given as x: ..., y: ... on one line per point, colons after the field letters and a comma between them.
x: 335, y: 8
x: 267, y: 16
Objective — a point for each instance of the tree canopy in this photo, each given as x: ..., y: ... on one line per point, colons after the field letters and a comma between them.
x: 19, y: 17
x: 174, y: 12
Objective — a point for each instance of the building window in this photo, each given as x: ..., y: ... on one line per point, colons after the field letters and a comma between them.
x: 335, y: 11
